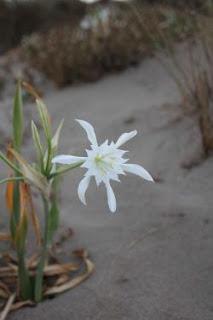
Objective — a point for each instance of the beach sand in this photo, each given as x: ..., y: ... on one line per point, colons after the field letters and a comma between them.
x: 154, y: 257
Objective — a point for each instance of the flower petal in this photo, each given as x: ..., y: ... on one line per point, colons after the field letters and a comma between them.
x: 82, y: 188
x: 110, y: 197
x: 125, y: 137
x: 67, y: 159
x: 89, y: 130
x: 138, y: 170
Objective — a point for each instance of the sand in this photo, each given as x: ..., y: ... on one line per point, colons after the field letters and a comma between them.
x: 154, y: 256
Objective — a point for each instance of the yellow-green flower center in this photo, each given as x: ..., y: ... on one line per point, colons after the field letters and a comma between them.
x: 103, y: 163
x: 98, y: 159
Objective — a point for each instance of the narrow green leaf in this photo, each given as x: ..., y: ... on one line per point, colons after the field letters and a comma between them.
x: 54, y: 209
x: 52, y: 148
x: 18, y: 118
x: 21, y: 233
x: 56, y: 137
x: 25, y: 282
x: 37, y: 142
x: 54, y: 219
x: 15, y: 215
x: 65, y: 168
x: 45, y: 118
x: 11, y: 179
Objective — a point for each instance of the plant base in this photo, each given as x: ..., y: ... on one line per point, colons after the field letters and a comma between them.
x: 58, y: 277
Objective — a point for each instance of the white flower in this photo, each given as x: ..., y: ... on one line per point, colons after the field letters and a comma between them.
x: 104, y: 162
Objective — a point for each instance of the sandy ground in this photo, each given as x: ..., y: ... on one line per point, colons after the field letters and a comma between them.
x: 153, y: 257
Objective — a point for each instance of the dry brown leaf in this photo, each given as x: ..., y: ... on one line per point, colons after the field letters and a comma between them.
x: 81, y: 253
x: 23, y: 215
x: 4, y: 287
x: 7, y: 307
x: 73, y: 282
x: 10, y: 185
x: 62, y: 279
x: 3, y: 294
x: 34, y: 217
x: 56, y: 269
x: 11, y: 274
x: 21, y: 304
x: 13, y: 266
x: 9, y: 195
x: 9, y: 271
x: 10, y: 281
x: 9, y: 258
x: 30, y: 90
x: 4, y: 237
x: 10, y: 268
x: 33, y: 261
x: 50, y: 270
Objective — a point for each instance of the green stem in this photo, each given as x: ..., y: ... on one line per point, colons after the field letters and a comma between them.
x: 49, y: 148
x: 44, y: 252
x: 66, y: 169
x: 24, y: 278
x: 20, y: 241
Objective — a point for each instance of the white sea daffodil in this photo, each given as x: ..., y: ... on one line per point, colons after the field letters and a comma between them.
x: 104, y: 162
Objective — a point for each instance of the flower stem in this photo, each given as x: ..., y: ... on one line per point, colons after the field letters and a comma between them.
x: 65, y: 169
x: 40, y: 271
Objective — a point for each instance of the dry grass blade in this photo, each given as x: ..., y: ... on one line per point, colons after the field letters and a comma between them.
x: 59, y: 272
x: 34, y: 217
x: 57, y: 269
x: 9, y: 258
x: 4, y: 288
x: 7, y: 307
x: 11, y: 274
x: 30, y: 90
x: 73, y: 282
x: 10, y: 271
x: 13, y: 267
x: 62, y: 279
x: 50, y: 270
x: 3, y: 294
x: 9, y: 195
x: 33, y: 261
x: 21, y: 304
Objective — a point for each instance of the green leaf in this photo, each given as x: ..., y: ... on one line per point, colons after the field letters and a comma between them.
x: 37, y: 142
x: 53, y: 219
x: 15, y: 216
x: 18, y: 118
x: 11, y: 179
x: 25, y: 282
x: 54, y: 209
x: 65, y: 169
x: 52, y: 148
x: 45, y: 118
x: 56, y: 137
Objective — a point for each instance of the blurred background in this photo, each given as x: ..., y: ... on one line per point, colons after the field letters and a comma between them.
x: 54, y: 44
x: 86, y: 39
